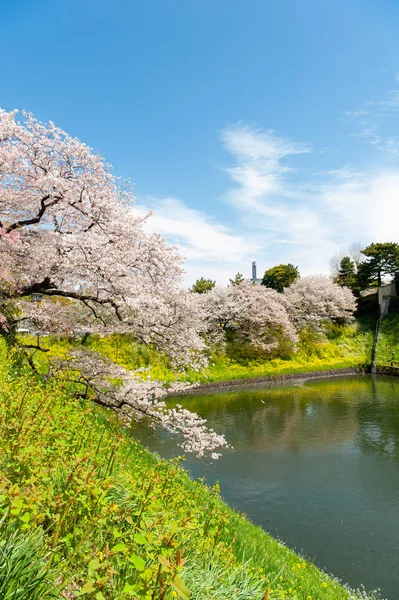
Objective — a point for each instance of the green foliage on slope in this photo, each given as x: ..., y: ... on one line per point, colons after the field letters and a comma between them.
x: 340, y: 347
x: 388, y: 341
x: 108, y: 520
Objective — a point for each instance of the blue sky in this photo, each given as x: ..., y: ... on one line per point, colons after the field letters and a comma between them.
x: 255, y: 130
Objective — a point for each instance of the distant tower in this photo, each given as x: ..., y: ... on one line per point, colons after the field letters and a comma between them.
x: 254, y: 271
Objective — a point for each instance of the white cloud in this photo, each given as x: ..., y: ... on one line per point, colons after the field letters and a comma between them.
x: 372, y: 115
x: 390, y: 102
x: 307, y: 221
x: 270, y: 202
x: 368, y: 131
x: 356, y: 113
x: 366, y: 207
x: 254, y: 144
x: 210, y: 249
x: 279, y: 213
x: 390, y: 145
x: 260, y: 168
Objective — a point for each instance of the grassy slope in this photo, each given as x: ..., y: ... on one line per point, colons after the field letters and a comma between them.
x: 115, y: 522
x: 347, y: 346
x: 388, y: 341
x: 344, y: 347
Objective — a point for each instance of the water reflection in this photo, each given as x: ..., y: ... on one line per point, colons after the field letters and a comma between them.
x: 313, y: 462
x: 379, y: 421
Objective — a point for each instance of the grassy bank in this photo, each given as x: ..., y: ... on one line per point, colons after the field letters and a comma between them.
x: 90, y: 513
x: 388, y: 341
x: 341, y: 347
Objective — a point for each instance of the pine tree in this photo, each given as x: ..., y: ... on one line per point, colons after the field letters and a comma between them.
x: 201, y: 286
x: 347, y: 273
x: 383, y: 259
x: 238, y: 279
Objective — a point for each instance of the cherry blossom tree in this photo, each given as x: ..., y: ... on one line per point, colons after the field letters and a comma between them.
x: 256, y: 314
x: 315, y: 299
x: 69, y: 235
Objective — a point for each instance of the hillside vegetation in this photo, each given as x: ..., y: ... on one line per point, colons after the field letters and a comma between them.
x: 342, y: 346
x: 90, y: 513
x: 388, y: 341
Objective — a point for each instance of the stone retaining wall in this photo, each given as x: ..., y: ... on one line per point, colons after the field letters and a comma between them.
x: 270, y: 380
x: 386, y: 370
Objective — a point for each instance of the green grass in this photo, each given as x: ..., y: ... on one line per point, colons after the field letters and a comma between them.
x: 24, y: 569
x: 341, y: 347
x: 108, y: 520
x: 388, y: 341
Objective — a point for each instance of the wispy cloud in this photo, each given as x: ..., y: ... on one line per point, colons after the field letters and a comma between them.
x: 389, y: 103
x: 261, y: 167
x: 372, y: 115
x: 269, y: 199
x: 252, y: 143
x: 356, y: 113
x: 209, y: 247
x: 366, y: 207
x: 307, y: 220
x: 281, y: 209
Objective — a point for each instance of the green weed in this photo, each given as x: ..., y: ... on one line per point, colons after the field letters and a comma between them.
x: 24, y: 569
x: 340, y: 347
x: 113, y: 522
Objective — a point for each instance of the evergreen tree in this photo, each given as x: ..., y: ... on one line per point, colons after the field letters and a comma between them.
x: 238, y: 279
x: 347, y: 273
x: 280, y: 277
x: 201, y: 286
x: 382, y: 259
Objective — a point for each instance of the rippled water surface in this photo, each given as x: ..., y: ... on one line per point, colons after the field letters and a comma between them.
x: 315, y: 464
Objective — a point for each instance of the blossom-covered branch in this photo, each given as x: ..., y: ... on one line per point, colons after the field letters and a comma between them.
x: 75, y: 258
x: 135, y: 397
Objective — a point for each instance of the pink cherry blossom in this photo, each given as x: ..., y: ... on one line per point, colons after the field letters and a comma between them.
x: 70, y: 236
x: 315, y: 299
x: 256, y: 314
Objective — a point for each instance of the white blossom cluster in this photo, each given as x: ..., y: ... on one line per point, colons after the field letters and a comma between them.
x: 135, y: 397
x: 315, y: 299
x: 257, y: 315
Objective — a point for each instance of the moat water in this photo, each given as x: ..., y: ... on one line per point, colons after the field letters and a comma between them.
x: 316, y: 464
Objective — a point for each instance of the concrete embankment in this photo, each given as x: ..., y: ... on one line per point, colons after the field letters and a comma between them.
x: 271, y: 380
x: 387, y: 370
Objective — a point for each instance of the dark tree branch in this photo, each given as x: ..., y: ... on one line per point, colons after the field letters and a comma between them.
x: 38, y: 288
x: 37, y: 218
x: 96, y: 315
x: 29, y: 358
x: 35, y: 347
x: 83, y: 298
x: 47, y: 288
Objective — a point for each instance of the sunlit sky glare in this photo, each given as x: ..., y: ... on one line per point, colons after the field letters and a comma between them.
x: 262, y: 130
